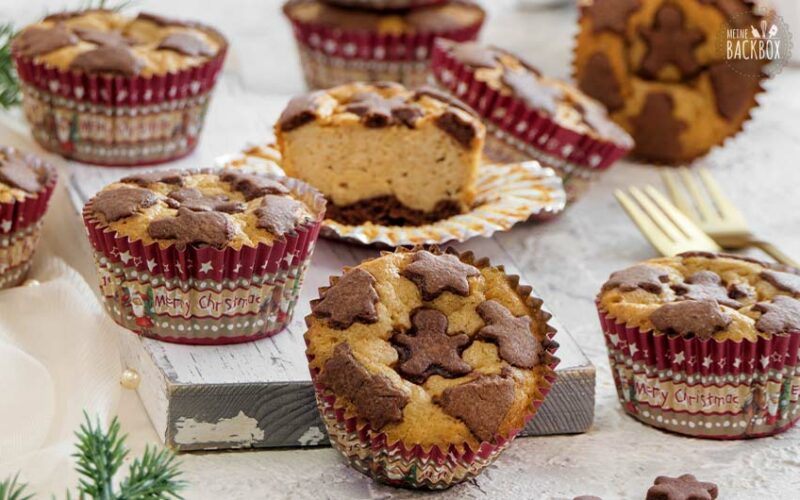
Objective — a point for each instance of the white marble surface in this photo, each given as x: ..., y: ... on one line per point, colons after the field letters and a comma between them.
x: 567, y: 259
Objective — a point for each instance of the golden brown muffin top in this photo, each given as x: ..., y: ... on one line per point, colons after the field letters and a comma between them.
x: 107, y: 42
x: 383, y: 105
x: 513, y: 76
x: 706, y: 295
x: 225, y: 208
x: 433, y: 349
x: 21, y: 175
x: 433, y: 18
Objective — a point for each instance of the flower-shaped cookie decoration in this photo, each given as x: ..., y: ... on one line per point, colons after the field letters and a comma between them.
x: 352, y: 299
x: 430, y: 350
x: 436, y: 274
x: 685, y: 487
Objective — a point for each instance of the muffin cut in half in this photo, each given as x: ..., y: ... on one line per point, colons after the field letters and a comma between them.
x: 382, y: 153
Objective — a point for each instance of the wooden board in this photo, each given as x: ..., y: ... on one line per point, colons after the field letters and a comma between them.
x: 259, y: 394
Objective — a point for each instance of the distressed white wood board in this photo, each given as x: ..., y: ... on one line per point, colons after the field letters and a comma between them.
x: 260, y: 394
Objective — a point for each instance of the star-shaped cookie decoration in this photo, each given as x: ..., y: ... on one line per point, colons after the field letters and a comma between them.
x: 669, y: 42
x: 706, y: 285
x: 172, y: 176
x: 516, y: 344
x: 685, y: 487
x: 14, y: 172
x: 474, y: 54
x: 116, y: 204
x: 782, y: 315
x: 701, y: 318
x: 611, y: 15
x: 430, y: 350
x: 377, y: 111
x: 644, y: 276
x: 193, y: 228
x: 280, y: 214
x: 195, y: 200
x: 481, y: 404
x: 788, y: 282
x: 436, y: 274
x: 374, y: 396
x: 35, y: 41
x: 252, y: 185
x: 529, y: 88
x: 350, y: 300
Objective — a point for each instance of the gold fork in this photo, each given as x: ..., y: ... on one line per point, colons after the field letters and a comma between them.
x: 667, y: 229
x: 714, y: 213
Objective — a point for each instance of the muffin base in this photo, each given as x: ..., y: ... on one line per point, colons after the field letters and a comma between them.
x: 322, y: 71
x: 119, y: 136
x: 705, y: 389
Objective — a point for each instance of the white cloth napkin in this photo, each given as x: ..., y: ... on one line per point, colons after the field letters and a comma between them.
x: 58, y: 357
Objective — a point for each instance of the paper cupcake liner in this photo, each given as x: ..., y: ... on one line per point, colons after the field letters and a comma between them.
x: 332, y: 56
x: 411, y: 465
x: 16, y: 254
x: 117, y: 120
x: 204, y: 295
x: 506, y: 195
x: 383, y: 4
x: 521, y: 124
x: 705, y: 388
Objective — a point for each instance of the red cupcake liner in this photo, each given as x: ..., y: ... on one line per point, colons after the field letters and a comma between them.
x: 332, y: 55
x: 412, y: 465
x: 383, y: 4
x: 205, y: 295
x: 16, y: 255
x: 702, y: 387
x: 102, y: 108
x: 16, y: 215
x: 533, y: 129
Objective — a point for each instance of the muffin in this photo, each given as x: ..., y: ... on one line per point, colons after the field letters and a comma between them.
x: 661, y: 69
x: 339, y: 45
x: 383, y: 4
x: 381, y: 153
x: 705, y: 344
x: 102, y: 87
x: 401, y: 346
x: 26, y: 184
x: 204, y: 256
x: 528, y: 115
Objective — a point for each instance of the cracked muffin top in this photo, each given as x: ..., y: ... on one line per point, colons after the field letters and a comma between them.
x: 107, y: 42
x: 431, y: 348
x: 707, y: 295
x: 225, y: 208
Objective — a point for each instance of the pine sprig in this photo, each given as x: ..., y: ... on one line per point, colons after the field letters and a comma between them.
x: 10, y: 489
x: 99, y: 457
x: 155, y: 475
x: 9, y: 84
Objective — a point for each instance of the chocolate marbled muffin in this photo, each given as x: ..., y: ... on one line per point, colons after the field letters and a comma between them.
x: 342, y: 44
x: 433, y: 353
x: 26, y: 184
x: 661, y: 68
x: 383, y: 4
x: 205, y: 249
x: 713, y: 337
x: 108, y: 88
x: 382, y: 153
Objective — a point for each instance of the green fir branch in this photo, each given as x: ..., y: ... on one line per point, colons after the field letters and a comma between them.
x: 9, y: 84
x: 10, y: 489
x: 99, y: 457
x: 154, y: 475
